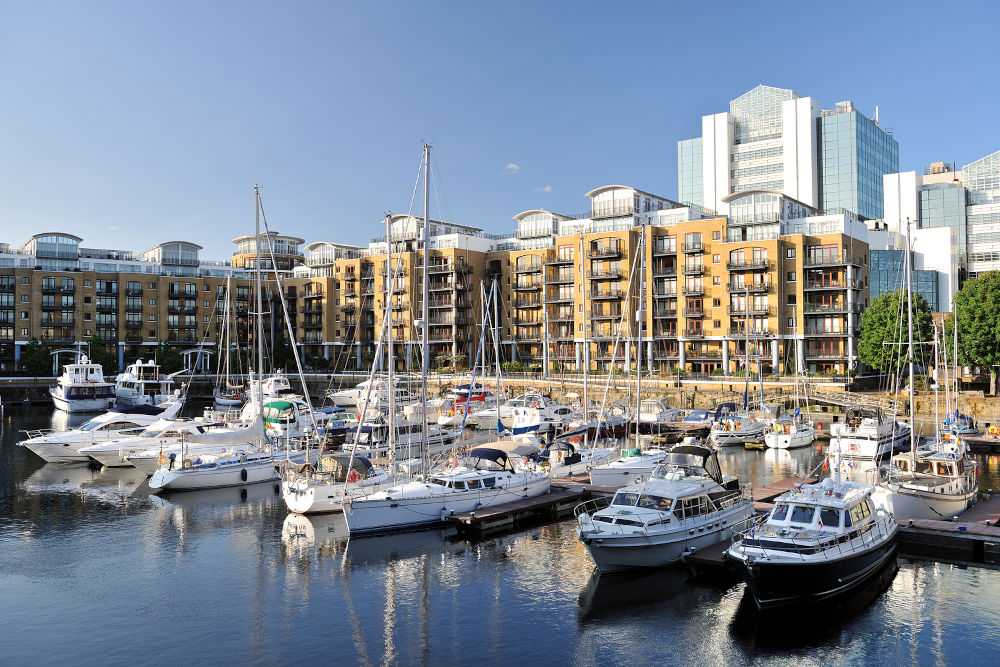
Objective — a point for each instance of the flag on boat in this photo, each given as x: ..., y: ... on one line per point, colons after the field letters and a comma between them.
x: 796, y: 411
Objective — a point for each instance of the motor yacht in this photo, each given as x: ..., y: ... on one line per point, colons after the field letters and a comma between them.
x: 82, y: 388
x: 938, y: 481
x: 488, y: 475
x: 656, y: 417
x: 686, y: 505
x: 789, y: 432
x: 868, y: 433
x: 633, y: 466
x: 162, y: 432
x: 737, y: 429
x: 142, y: 384
x: 65, y: 446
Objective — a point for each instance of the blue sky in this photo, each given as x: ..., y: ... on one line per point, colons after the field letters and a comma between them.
x: 131, y: 123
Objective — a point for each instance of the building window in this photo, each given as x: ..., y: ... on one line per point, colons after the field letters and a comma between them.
x: 86, y: 317
x: 152, y: 318
x: 791, y: 300
x: 716, y: 302
x: 86, y: 283
x: 152, y: 302
x: 152, y: 334
x: 206, y: 306
x: 25, y: 298
x: 86, y: 299
x: 790, y: 253
x: 791, y: 322
x: 716, y: 235
x: 715, y: 259
x: 716, y: 280
x: 24, y: 332
x: 791, y: 276
x: 206, y: 318
x: 152, y: 285
x: 208, y: 288
x: 25, y: 315
x: 716, y: 324
x: 25, y: 280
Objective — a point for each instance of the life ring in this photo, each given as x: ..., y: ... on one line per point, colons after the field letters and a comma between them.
x: 187, y: 463
x: 353, y: 476
x: 161, y: 459
x: 777, y: 428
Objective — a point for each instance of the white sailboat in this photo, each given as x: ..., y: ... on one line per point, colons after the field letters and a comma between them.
x: 739, y: 428
x: 789, y: 431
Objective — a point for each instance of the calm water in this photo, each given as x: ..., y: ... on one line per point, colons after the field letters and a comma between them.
x: 94, y: 569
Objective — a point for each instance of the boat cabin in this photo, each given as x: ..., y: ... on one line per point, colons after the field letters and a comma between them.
x: 935, y: 465
x: 342, y: 468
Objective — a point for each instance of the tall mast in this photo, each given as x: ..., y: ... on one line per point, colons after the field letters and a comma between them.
x: 424, y: 455
x: 638, y: 335
x: 954, y: 320
x: 909, y: 334
x: 586, y: 343
x: 390, y: 362
x: 260, y: 308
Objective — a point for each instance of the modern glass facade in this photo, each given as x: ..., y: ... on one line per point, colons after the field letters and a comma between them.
x: 689, y: 171
x: 982, y: 179
x: 758, y: 113
x: 887, y: 274
x: 854, y: 154
x: 943, y: 205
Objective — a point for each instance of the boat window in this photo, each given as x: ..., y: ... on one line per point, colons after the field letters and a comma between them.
x: 869, y: 508
x: 439, y: 481
x: 474, y: 484
x: 857, y: 514
x: 925, y: 468
x: 690, y: 507
x: 780, y: 512
x: 627, y: 499
x: 655, y: 502
x: 802, y: 513
x: 489, y: 482
x: 960, y: 466
x: 460, y: 486
x: 903, y: 464
x: 829, y: 517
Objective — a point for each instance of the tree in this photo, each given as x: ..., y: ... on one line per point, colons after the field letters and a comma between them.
x: 35, y: 359
x: 169, y: 359
x: 884, y: 325
x: 978, y: 308
x: 99, y: 353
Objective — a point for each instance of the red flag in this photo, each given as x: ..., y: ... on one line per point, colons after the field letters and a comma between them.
x: 824, y: 465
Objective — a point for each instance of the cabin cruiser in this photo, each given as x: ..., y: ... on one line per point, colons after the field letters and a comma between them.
x: 486, y: 476
x: 820, y: 540
x: 655, y: 417
x: 162, y: 432
x: 321, y: 487
x: 633, y: 466
x: 548, y: 417
x: 348, y: 398
x: 376, y: 398
x: 82, y: 388
x: 65, y: 446
x: 142, y: 384
x: 737, y: 429
x: 936, y: 481
x: 291, y: 417
x: 487, y: 417
x: 788, y: 432
x: 686, y: 505
x: 867, y: 433
x: 570, y: 457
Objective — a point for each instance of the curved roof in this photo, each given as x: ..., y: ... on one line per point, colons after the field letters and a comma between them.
x: 597, y: 191
x: 274, y: 235
x: 191, y: 243
x: 524, y: 214
x: 729, y: 198
x: 69, y: 236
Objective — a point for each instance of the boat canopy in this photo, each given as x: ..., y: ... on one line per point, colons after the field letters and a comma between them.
x: 696, y: 455
x: 724, y: 409
x: 863, y: 412
x: 279, y: 412
x: 341, y: 465
x: 498, y: 453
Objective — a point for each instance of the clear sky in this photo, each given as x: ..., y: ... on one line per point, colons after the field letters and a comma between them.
x: 132, y: 123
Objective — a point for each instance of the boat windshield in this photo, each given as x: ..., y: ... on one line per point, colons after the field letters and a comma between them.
x: 625, y: 498
x: 90, y: 425
x: 802, y: 513
x: 655, y: 502
x: 780, y: 512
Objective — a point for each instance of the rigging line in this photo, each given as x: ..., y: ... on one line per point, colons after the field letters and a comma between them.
x: 614, y: 351
x: 437, y: 177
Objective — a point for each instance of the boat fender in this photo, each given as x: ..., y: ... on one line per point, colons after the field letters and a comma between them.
x: 187, y: 463
x: 161, y: 459
x: 243, y: 474
x: 353, y: 476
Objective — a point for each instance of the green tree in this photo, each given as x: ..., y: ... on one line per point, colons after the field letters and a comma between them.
x: 99, y: 353
x: 978, y: 308
x: 884, y: 324
x: 169, y: 359
x: 35, y: 358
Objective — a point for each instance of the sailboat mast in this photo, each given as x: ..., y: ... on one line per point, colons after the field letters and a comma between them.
x: 955, y: 352
x: 586, y: 344
x: 424, y: 455
x: 260, y: 308
x: 638, y: 335
x: 909, y: 334
x: 390, y: 362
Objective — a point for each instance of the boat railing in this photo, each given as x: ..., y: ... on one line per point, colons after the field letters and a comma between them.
x: 826, y: 546
x: 37, y: 432
x: 588, y: 507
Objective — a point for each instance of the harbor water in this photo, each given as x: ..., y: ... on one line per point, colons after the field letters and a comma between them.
x: 94, y: 569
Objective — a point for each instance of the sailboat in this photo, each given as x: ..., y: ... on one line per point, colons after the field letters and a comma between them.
x: 226, y: 393
x: 488, y: 475
x: 250, y: 457
x: 936, y: 481
x: 740, y: 427
x: 790, y: 432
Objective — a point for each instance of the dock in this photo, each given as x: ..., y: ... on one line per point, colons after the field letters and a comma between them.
x: 582, y: 481
x: 555, y: 504
x: 982, y: 444
x: 765, y: 495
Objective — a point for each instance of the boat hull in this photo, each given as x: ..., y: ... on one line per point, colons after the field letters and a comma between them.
x: 776, y: 584
x: 366, y: 517
x: 80, y: 404
x: 619, y: 553
x: 618, y: 477
x: 795, y: 440
x: 906, y: 503
x: 59, y: 452
x: 865, y: 447
x: 301, y: 497
x: 192, y: 479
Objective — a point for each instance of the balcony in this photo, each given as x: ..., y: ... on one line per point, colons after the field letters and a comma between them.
x: 605, y: 275
x: 749, y: 288
x: 440, y: 305
x: 704, y: 354
x: 534, y: 268
x: 663, y: 294
x: 133, y: 291
x: 312, y: 325
x: 693, y: 291
x: 527, y: 287
x: 183, y: 294
x: 64, y: 322
x: 527, y: 303
x: 401, y: 305
x: 661, y: 332
x: 182, y: 310
x: 7, y: 286
x: 131, y: 324
x: 752, y: 310
x: 605, y: 316
x: 832, y: 284
x: 107, y: 291
x: 751, y: 265
x: 315, y: 293
x: 181, y: 338
x: 694, y: 246
x: 611, y: 212
x: 662, y: 249
x: 133, y: 338
x: 53, y: 306
x: 350, y: 293
x: 819, y: 331
x: 57, y: 289
x: 823, y: 355
x: 240, y: 296
x: 664, y: 272
x: 312, y: 310
x: 834, y: 260
x: 610, y: 295
x: 349, y: 277
x: 440, y: 268
x: 349, y: 307
x: 660, y: 314
x: 556, y: 280
x: 694, y: 270
x: 559, y: 260
x: 694, y: 312
x: 830, y: 308
x: 742, y: 333
x: 441, y: 287
x: 694, y: 333
x: 605, y: 253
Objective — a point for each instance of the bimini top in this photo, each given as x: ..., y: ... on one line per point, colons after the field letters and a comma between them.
x: 500, y: 451
x: 724, y: 409
x: 341, y: 464
x: 140, y: 410
x: 696, y: 455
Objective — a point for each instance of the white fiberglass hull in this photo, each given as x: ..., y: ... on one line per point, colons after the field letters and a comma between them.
x: 626, y: 551
x: 62, y: 451
x: 302, y: 497
x: 377, y: 516
x: 802, y: 437
x: 907, y: 503
x: 110, y: 458
x: 736, y: 438
x: 79, y: 404
x: 870, y: 447
x: 619, y: 476
x: 194, y: 479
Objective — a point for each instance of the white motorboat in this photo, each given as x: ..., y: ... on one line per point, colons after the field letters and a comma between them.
x: 737, y: 429
x: 377, y: 398
x: 487, y: 476
x: 937, y: 481
x: 229, y: 396
x: 540, y: 416
x: 787, y: 432
x: 633, y: 466
x: 820, y: 540
x: 142, y: 384
x: 82, y: 388
x: 571, y: 458
x: 322, y: 487
x: 686, y: 505
x: 655, y: 417
x: 65, y: 446
x: 867, y: 433
x: 487, y: 417
x: 161, y: 433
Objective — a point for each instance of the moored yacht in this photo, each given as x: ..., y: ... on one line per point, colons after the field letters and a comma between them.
x: 633, y: 466
x: 737, y: 429
x: 163, y: 432
x: 936, y: 481
x: 686, y: 505
x: 322, y: 486
x: 868, y: 433
x: 487, y: 475
x: 82, y: 388
x: 142, y: 384
x: 789, y: 432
